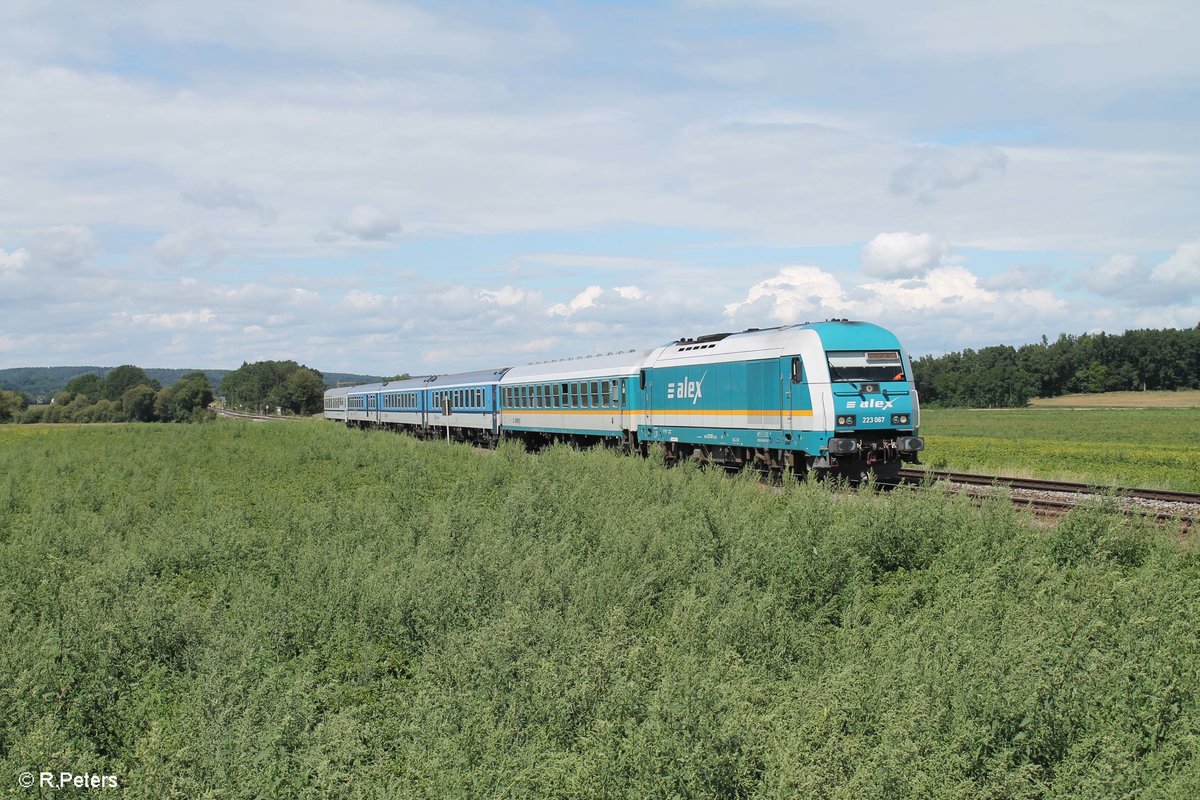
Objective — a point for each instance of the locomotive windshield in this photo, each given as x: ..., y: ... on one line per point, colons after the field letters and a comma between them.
x: 870, y: 366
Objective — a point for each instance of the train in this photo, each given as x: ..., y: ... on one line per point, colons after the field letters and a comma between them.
x: 834, y: 398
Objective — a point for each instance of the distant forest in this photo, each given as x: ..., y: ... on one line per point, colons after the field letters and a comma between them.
x: 39, y: 384
x: 1005, y: 377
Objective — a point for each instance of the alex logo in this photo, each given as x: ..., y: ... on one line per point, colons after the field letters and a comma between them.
x: 687, y: 389
x: 882, y: 405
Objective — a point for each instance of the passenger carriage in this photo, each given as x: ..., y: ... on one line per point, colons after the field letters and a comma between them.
x: 393, y: 404
x: 335, y: 403
x: 464, y: 405
x: 589, y: 398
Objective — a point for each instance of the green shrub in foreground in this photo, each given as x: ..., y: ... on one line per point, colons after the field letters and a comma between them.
x: 260, y: 611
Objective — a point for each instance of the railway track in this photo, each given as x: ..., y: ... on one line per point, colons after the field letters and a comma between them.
x: 1055, y: 498
x: 225, y: 412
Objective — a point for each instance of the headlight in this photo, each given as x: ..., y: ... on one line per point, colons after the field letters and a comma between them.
x: 899, y: 419
x: 846, y: 420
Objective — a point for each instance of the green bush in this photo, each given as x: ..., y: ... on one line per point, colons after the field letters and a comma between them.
x: 302, y: 610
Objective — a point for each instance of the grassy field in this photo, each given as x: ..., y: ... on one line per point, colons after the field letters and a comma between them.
x: 1189, y: 398
x: 236, y: 610
x: 1147, y: 447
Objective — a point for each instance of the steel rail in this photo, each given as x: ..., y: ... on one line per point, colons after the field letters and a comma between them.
x: 1039, y: 485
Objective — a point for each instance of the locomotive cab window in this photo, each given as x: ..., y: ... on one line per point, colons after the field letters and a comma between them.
x: 874, y: 366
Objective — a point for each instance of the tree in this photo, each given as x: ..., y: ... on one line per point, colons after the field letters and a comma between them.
x: 190, y: 396
x: 122, y: 378
x: 12, y: 405
x: 162, y: 405
x: 303, y: 392
x: 88, y: 383
x: 185, y: 400
x: 138, y: 403
x: 264, y: 384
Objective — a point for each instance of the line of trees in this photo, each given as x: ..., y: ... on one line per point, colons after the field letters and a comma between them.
x: 268, y: 385
x: 1004, y: 376
x: 125, y: 394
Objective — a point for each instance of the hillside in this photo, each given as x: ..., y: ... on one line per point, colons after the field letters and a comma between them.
x: 43, y: 382
x: 304, y: 610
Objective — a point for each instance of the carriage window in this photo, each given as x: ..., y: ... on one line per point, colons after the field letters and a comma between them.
x: 537, y: 394
x: 605, y: 393
x: 583, y: 395
x: 556, y: 395
x: 574, y: 395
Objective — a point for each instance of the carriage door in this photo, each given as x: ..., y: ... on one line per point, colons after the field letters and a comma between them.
x: 645, y: 394
x: 794, y: 397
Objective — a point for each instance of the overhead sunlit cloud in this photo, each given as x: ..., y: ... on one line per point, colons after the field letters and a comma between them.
x: 1134, y: 280
x: 900, y: 255
x: 1181, y: 270
x: 949, y: 296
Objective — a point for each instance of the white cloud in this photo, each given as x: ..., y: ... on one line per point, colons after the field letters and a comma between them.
x: 1060, y: 131
x: 902, y: 254
x: 191, y: 248
x: 504, y: 296
x: 365, y: 301
x: 1131, y: 279
x: 1022, y: 276
x: 365, y: 222
x: 65, y: 247
x: 949, y: 304
x: 935, y: 170
x: 180, y: 320
x: 585, y: 299
x: 796, y: 294
x: 221, y: 194
x: 12, y: 263
x: 1182, y: 269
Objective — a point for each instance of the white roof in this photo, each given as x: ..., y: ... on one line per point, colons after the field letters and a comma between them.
x: 627, y: 363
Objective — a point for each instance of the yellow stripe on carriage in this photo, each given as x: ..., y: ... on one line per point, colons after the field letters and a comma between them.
x: 697, y: 412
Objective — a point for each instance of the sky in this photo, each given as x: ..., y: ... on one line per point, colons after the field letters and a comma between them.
x: 386, y: 187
